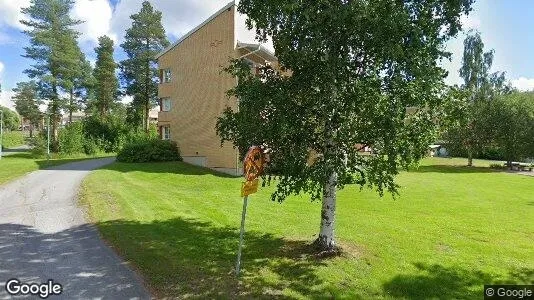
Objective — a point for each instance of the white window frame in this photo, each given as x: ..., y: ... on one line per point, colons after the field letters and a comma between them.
x: 166, y: 134
x: 166, y: 104
x: 167, y: 75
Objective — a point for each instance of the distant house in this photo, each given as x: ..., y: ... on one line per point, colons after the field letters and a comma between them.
x: 192, y: 89
x: 76, y: 116
x: 153, y: 115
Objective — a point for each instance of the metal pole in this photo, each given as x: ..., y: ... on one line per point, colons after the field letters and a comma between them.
x: 1, y: 131
x: 238, y: 265
x: 48, y: 138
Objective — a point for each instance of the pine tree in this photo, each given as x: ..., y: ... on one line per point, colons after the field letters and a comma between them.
x: 104, y: 73
x: 139, y: 73
x: 52, y: 38
x: 76, y: 79
x: 27, y: 103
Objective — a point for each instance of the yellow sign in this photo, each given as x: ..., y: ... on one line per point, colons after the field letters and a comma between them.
x: 249, y: 187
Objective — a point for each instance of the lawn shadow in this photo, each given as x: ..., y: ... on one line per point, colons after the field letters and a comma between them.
x: 175, y: 167
x: 187, y: 258
x: 440, y: 282
x: 451, y: 169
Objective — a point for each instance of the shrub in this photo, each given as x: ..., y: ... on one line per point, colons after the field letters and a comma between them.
x: 90, y: 146
x: 106, y: 134
x: 149, y: 150
x: 71, y: 139
x: 497, y: 166
x: 38, y: 144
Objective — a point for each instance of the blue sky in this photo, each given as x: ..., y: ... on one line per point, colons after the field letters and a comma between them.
x: 506, y: 26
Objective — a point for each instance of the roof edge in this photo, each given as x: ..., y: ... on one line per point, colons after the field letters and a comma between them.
x: 260, y: 47
x: 188, y: 34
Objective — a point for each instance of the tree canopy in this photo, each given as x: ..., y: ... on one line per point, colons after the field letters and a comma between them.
x: 471, y: 131
x: 106, y: 81
x: 355, y: 67
x: 139, y: 72
x: 54, y: 50
x: 27, y: 102
x: 11, y: 120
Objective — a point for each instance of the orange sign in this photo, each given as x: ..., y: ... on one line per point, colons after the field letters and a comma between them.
x: 253, y: 167
x: 253, y: 164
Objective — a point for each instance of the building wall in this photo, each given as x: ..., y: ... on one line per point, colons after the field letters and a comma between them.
x: 198, y: 92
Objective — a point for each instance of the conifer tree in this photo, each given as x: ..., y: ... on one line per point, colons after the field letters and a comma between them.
x: 139, y: 73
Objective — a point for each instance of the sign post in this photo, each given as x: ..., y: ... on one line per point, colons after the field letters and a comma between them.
x: 48, y: 140
x: 238, y: 265
x: 252, y: 168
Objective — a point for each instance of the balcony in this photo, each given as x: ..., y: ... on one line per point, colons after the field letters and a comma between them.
x: 164, y: 117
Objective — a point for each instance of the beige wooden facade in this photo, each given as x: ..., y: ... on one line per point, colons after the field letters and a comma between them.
x: 197, y: 90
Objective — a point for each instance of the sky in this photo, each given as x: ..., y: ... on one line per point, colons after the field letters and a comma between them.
x: 505, y: 26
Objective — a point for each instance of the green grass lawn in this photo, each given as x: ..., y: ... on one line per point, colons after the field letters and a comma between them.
x: 16, y: 165
x: 13, y: 139
x: 452, y: 230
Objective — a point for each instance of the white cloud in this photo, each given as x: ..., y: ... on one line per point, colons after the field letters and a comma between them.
x: 523, y: 84
x: 10, y: 14
x: 126, y: 99
x: 97, y: 15
x: 5, y: 99
x: 470, y: 22
x: 1, y: 73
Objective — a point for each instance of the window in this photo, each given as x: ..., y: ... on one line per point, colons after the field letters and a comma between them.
x: 166, y: 132
x: 165, y: 104
x: 167, y: 75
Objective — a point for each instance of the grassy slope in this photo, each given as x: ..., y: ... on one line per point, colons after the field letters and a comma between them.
x: 16, y: 165
x: 452, y: 230
x: 13, y: 139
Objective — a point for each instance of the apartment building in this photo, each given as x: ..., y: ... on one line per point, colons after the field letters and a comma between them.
x: 192, y: 88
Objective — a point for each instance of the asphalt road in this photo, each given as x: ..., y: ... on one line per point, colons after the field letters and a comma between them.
x: 44, y: 234
x: 15, y: 150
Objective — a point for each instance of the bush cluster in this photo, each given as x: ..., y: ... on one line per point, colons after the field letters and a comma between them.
x: 149, y: 150
x: 94, y: 135
x: 71, y: 139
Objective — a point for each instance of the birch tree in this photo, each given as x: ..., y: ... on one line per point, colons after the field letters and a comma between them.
x: 348, y: 72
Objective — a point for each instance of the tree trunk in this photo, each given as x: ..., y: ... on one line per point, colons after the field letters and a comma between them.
x: 147, y: 117
x: 54, y: 113
x: 469, y: 157
x: 71, y: 105
x: 147, y: 88
x: 31, y: 130
x: 326, y: 241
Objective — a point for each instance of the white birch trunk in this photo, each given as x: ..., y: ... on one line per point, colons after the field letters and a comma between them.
x: 326, y: 240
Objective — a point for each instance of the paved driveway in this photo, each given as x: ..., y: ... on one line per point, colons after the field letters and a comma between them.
x: 45, y: 235
x: 15, y: 150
